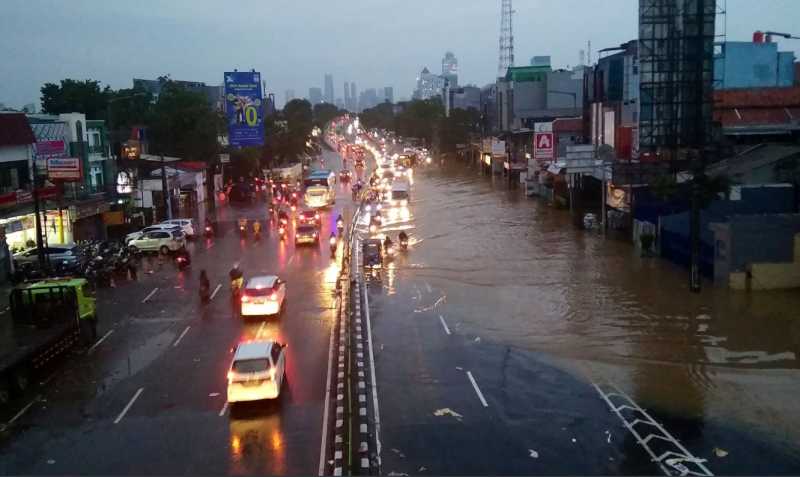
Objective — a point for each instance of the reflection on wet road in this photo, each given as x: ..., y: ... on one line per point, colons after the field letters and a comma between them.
x: 506, y: 274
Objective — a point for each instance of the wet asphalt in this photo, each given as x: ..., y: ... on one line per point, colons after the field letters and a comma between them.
x: 150, y: 398
x: 499, y: 333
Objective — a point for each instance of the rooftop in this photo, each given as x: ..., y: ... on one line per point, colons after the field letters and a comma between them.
x: 15, y: 130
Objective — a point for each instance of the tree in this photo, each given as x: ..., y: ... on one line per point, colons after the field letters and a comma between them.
x: 184, y: 125
x: 299, y: 123
x: 325, y: 112
x: 379, y: 117
x: 419, y: 119
x: 457, y: 128
x: 76, y: 96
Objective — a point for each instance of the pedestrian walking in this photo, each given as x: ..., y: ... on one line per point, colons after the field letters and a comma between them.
x: 132, y: 271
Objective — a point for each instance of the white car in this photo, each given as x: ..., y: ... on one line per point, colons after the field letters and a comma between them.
x: 187, y: 225
x: 164, y: 241
x: 152, y: 228
x: 257, y: 371
x: 263, y: 295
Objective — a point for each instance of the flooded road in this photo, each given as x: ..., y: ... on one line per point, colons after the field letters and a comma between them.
x: 509, y: 271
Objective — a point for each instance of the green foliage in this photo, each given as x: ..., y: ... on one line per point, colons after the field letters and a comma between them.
x: 184, y: 125
x: 419, y: 118
x: 246, y: 161
x: 130, y: 107
x: 379, y: 117
x: 71, y: 96
x: 324, y: 113
x: 457, y: 128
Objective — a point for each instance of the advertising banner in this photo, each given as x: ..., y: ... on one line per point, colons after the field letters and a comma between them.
x: 64, y: 168
x: 244, y: 110
x: 48, y: 149
x: 543, y: 147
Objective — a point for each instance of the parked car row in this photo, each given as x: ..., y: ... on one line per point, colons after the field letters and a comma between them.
x: 168, y: 236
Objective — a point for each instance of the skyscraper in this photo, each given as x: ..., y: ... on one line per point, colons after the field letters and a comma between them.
x: 314, y: 96
x: 346, y: 95
x: 289, y: 95
x: 353, y: 97
x: 388, y: 94
x: 450, y: 69
x: 329, y: 88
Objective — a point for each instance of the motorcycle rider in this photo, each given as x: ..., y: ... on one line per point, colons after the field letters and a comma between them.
x: 257, y: 229
x: 205, y: 287
x: 243, y: 225
x: 182, y: 253
x: 403, y: 237
x: 237, y: 278
x: 387, y: 243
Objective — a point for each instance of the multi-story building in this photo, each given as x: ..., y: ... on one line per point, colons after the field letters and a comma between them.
x: 347, y: 104
x: 388, y: 94
x: 353, y: 97
x: 428, y: 85
x: 289, y: 96
x: 450, y: 69
x: 314, y: 96
x: 756, y: 64
x: 368, y: 99
x: 329, y: 97
x: 214, y: 94
x: 463, y: 97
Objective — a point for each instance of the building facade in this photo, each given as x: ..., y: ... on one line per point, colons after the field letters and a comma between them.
x: 450, y: 69
x: 329, y: 96
x: 428, y: 85
x: 756, y: 64
x: 314, y: 96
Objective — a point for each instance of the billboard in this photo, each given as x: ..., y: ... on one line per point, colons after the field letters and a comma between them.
x: 543, y: 147
x: 64, y: 168
x: 244, y: 108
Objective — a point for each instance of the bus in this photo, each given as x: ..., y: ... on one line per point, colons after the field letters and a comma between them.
x: 320, y: 188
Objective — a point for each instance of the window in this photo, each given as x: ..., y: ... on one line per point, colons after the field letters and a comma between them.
x: 276, y: 352
x: 251, y: 365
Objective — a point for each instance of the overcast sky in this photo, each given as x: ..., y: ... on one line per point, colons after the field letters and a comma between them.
x: 375, y: 43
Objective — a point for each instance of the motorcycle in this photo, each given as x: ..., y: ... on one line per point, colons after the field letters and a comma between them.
x: 243, y: 230
x: 182, y: 261
x: 334, y: 245
x: 282, y: 232
x: 236, y: 286
x: 404, y: 244
x: 340, y: 226
x: 209, y: 231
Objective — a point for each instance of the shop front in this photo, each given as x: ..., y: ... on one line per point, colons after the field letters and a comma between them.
x: 87, y: 219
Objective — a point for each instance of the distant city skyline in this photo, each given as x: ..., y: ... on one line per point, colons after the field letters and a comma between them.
x: 395, y: 54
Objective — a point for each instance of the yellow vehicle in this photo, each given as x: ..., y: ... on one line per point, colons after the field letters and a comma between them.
x: 49, y: 317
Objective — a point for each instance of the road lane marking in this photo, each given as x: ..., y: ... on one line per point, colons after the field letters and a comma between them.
x: 130, y: 403
x: 19, y: 414
x: 372, y: 377
x: 477, y: 389
x: 150, y: 295
x: 214, y: 293
x: 260, y: 330
x: 177, y: 342
x: 446, y: 329
x: 428, y: 287
x: 224, y: 408
x: 323, y: 445
x: 99, y: 341
x: 290, y: 260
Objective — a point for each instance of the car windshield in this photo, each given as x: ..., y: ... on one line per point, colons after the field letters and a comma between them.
x: 244, y: 366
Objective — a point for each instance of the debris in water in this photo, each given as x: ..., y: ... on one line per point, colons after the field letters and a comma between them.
x: 720, y: 452
x: 51, y: 461
x: 459, y: 368
x: 397, y: 474
x: 397, y: 451
x: 422, y: 469
x: 534, y: 454
x: 608, y: 437
x: 446, y: 411
x: 574, y: 440
x: 477, y: 339
x: 213, y: 394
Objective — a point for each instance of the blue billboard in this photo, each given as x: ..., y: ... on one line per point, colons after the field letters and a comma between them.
x: 244, y: 108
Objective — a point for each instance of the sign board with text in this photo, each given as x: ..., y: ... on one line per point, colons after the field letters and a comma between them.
x: 543, y: 146
x: 244, y: 108
x: 64, y: 168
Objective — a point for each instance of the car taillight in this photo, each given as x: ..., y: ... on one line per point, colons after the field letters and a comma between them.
x: 272, y: 373
x: 245, y: 298
x: 231, y: 375
x: 314, y: 235
x: 316, y: 216
x: 274, y: 296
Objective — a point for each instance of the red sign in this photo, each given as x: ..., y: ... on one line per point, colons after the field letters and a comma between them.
x: 64, y: 168
x: 543, y: 146
x: 48, y: 149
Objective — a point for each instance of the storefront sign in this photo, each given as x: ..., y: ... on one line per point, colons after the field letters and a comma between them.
x: 64, y: 168
x: 543, y: 146
x: 244, y: 108
x: 48, y: 149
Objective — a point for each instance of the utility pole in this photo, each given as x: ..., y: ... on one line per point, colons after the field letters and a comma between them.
x: 38, y: 218
x: 165, y: 190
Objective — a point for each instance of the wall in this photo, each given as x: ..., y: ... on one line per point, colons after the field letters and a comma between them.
x: 529, y: 97
x: 752, y: 65
x: 564, y: 81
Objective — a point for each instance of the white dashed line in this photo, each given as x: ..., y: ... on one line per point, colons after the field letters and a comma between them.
x: 444, y: 325
x: 177, y: 342
x: 130, y: 403
x: 224, y: 409
x: 323, y: 444
x: 19, y: 414
x: 372, y: 376
x: 150, y: 295
x: 97, y: 343
x: 214, y: 293
x: 477, y: 389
